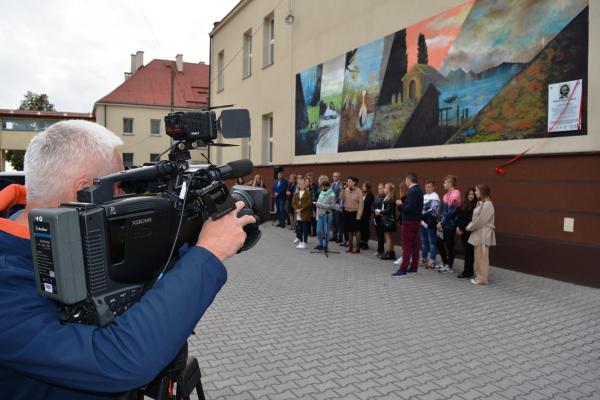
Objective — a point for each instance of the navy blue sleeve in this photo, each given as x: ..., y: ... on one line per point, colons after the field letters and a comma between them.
x: 119, y: 357
x: 411, y: 204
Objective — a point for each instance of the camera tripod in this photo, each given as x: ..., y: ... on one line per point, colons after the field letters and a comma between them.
x: 326, y: 249
x: 183, y: 371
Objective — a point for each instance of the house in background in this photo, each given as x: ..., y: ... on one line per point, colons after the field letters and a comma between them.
x: 136, y: 109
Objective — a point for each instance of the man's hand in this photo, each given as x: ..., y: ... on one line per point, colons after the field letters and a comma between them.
x: 225, y: 236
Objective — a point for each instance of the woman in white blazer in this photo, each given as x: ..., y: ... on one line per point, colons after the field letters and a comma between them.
x: 483, y: 233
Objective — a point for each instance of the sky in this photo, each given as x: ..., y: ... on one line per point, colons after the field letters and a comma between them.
x: 77, y: 51
x: 498, y: 31
x: 440, y: 32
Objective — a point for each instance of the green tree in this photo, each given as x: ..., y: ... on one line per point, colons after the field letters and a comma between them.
x: 422, y: 57
x: 16, y: 158
x: 36, y: 102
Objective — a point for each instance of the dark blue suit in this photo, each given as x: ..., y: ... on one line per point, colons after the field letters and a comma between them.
x: 279, y: 189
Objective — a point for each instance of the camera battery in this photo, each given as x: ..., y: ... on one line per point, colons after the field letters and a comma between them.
x: 57, y: 254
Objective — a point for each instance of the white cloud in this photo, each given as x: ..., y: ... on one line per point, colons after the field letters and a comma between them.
x: 439, y: 41
x: 76, y: 51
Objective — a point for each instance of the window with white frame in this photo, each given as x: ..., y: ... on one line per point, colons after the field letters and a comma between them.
x: 155, y: 127
x: 220, y: 70
x: 269, y: 40
x: 128, y: 126
x: 267, y: 120
x: 247, y: 54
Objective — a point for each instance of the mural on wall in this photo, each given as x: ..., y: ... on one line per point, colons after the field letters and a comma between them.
x: 475, y: 73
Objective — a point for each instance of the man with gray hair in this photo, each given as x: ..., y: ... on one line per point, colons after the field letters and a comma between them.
x: 40, y: 357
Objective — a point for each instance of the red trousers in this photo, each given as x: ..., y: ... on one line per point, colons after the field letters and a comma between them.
x: 410, y: 245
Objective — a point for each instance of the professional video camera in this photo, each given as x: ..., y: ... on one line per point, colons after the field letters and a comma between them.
x: 97, y: 257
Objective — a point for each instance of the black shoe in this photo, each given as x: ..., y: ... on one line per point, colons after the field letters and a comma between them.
x: 318, y: 247
x: 464, y: 276
x: 364, y: 246
x: 387, y: 256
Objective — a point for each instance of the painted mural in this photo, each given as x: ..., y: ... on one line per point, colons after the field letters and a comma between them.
x: 478, y: 72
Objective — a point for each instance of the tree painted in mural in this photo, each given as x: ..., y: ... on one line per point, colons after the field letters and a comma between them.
x: 474, y: 73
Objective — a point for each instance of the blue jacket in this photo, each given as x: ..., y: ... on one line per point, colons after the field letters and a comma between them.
x: 279, y: 188
x: 412, y: 208
x: 42, y: 359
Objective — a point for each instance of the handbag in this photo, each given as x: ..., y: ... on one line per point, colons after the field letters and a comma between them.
x: 389, y: 222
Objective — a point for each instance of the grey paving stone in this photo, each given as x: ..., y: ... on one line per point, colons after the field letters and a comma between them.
x: 290, y: 324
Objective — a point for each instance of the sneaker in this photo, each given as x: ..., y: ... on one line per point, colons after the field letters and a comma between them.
x: 474, y: 282
x: 301, y: 245
x: 398, y: 261
x: 318, y: 247
x: 399, y: 274
x: 377, y: 254
x: 444, y: 269
x: 296, y: 241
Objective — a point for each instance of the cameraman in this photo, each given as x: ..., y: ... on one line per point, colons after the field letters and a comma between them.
x: 40, y: 357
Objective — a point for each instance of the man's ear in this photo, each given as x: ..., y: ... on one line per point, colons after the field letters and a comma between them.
x: 82, y: 183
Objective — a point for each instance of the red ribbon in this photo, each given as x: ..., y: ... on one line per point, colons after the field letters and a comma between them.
x: 500, y: 169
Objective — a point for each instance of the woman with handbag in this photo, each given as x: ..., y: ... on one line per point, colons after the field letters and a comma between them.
x: 483, y: 234
x: 388, y: 218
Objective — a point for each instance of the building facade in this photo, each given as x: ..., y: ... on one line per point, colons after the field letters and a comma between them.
x: 135, y: 110
x: 378, y: 89
x: 18, y: 127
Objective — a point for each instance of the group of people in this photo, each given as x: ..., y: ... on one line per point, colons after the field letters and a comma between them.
x: 344, y: 212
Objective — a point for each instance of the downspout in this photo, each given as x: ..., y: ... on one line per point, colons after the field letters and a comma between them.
x: 210, y: 64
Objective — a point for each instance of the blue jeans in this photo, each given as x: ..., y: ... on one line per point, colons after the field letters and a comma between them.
x: 280, y: 201
x: 323, y: 225
x: 428, y: 242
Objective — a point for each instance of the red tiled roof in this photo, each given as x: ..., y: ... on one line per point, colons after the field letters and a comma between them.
x: 47, y: 114
x: 151, y: 85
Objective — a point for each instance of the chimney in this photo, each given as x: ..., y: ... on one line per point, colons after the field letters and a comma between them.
x: 132, y: 63
x: 139, y: 60
x: 179, y: 62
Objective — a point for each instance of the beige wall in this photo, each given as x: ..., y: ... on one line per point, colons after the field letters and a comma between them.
x: 141, y: 143
x: 326, y: 29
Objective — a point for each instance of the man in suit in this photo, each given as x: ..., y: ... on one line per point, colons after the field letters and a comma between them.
x: 412, y: 208
x: 279, y: 189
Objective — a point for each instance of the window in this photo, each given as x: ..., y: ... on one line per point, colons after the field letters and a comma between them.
x: 247, y: 54
x: 128, y: 160
x: 268, y: 138
x: 246, y: 149
x: 154, y: 157
x: 220, y: 72
x: 128, y: 125
x: 269, y: 40
x: 32, y: 125
x: 155, y: 126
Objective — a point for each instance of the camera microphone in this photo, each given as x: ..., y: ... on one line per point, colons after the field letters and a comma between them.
x: 236, y: 169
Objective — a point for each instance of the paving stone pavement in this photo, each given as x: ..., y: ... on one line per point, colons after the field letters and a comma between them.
x: 293, y: 325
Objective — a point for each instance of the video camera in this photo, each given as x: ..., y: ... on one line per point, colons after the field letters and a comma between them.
x: 98, y: 256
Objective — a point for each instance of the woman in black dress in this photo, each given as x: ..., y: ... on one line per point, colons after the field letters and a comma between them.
x: 388, y: 218
x: 365, y: 220
x: 465, y: 215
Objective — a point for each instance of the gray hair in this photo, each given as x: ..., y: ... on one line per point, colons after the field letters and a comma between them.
x: 64, y: 151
